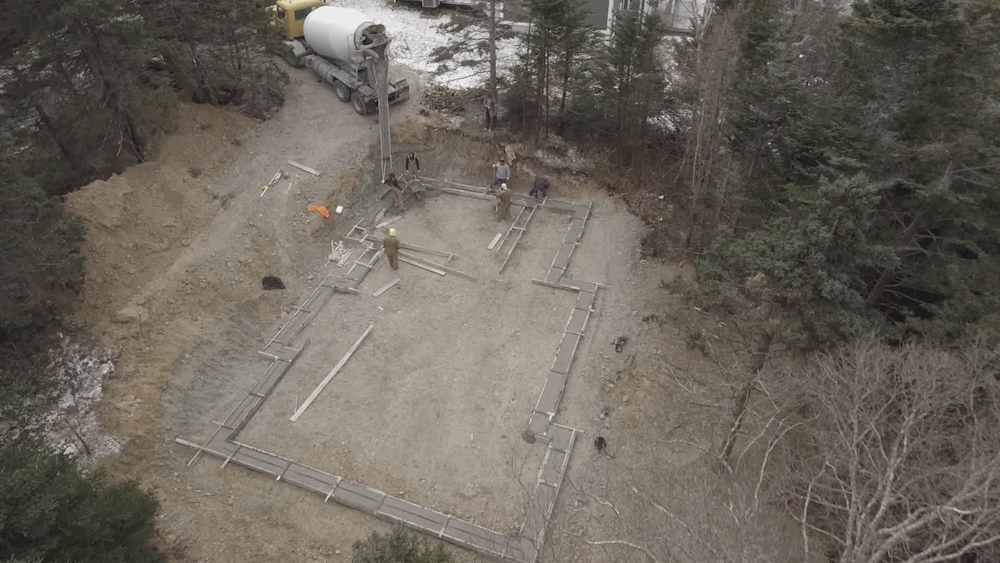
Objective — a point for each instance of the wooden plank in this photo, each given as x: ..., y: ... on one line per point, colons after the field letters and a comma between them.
x: 466, y: 193
x: 303, y: 167
x: 516, y: 240
x: 385, y: 288
x: 329, y: 377
x: 421, y: 265
x: 388, y: 222
x: 494, y: 241
x: 553, y: 285
x: 228, y: 459
x: 479, y: 189
x: 447, y: 269
x: 191, y: 444
x: 413, y: 247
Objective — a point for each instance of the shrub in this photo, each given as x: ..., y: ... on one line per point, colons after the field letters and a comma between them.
x: 398, y: 546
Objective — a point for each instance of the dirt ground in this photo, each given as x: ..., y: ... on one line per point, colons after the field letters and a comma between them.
x: 433, y: 404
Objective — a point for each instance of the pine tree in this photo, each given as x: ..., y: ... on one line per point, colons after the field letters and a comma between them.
x: 474, y: 40
x: 550, y: 56
x: 927, y: 79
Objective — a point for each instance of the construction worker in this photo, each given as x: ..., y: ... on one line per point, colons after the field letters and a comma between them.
x: 489, y: 112
x: 397, y: 192
x: 540, y: 190
x: 501, y: 172
x: 391, y: 246
x: 412, y: 160
x: 505, y: 195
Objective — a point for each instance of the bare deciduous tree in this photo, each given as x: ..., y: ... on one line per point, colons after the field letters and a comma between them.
x: 903, y: 460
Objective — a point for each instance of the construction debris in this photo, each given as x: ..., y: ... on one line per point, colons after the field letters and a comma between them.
x: 303, y: 168
x: 339, y: 254
x: 277, y: 176
x: 619, y: 343
x: 322, y: 210
x: 272, y: 282
x: 494, y: 242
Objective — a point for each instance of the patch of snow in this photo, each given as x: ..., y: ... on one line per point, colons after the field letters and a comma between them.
x: 415, y: 36
x: 71, y: 425
x: 561, y: 155
x: 663, y: 122
x: 81, y: 372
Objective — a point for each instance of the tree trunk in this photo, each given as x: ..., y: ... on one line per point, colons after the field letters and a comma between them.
x: 43, y: 116
x: 567, y: 62
x: 883, y: 281
x: 741, y: 400
x: 493, y: 49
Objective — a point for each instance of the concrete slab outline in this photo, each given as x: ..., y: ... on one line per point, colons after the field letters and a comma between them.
x: 522, y: 548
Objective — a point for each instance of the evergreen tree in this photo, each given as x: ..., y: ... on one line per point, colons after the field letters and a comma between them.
x: 53, y: 511
x: 474, y: 40
x: 550, y: 52
x: 40, y: 254
x: 793, y: 282
x: 927, y: 75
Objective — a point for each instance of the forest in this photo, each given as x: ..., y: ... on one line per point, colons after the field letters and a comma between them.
x: 837, y: 170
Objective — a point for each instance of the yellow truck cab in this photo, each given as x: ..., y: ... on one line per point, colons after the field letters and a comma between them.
x: 290, y: 15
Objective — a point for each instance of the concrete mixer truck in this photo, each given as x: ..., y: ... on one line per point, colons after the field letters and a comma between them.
x: 341, y: 47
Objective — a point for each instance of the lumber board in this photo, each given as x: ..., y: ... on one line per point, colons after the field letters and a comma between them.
x: 385, y: 288
x: 479, y: 189
x: 329, y: 377
x: 413, y: 247
x: 303, y: 167
x: 553, y: 285
x: 421, y: 265
x: 466, y: 193
x: 198, y: 447
x: 388, y: 222
x: 447, y: 269
x: 494, y: 242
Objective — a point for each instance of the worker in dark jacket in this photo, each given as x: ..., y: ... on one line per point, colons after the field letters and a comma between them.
x: 412, y: 160
x: 540, y: 190
x: 505, y: 195
x: 391, y: 246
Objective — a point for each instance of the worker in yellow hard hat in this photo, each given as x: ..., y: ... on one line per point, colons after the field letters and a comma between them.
x: 391, y: 246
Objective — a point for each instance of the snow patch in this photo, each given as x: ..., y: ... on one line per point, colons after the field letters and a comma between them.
x: 71, y: 425
x: 561, y: 155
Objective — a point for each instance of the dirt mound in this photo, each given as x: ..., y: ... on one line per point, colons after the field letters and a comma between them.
x: 138, y: 222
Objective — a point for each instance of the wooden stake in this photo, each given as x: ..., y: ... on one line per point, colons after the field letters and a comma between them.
x: 303, y: 168
x: 385, y: 288
x: 329, y: 377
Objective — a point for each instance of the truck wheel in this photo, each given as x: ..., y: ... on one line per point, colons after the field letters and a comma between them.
x: 293, y: 60
x: 342, y: 91
x: 359, y: 104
